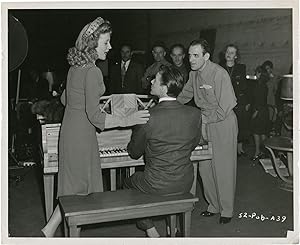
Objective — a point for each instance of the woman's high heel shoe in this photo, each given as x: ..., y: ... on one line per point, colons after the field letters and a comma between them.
x: 257, y: 157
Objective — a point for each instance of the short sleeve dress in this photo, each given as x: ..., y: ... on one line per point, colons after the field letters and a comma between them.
x: 79, y: 170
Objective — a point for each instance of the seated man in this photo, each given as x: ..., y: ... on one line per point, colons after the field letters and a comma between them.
x: 167, y: 140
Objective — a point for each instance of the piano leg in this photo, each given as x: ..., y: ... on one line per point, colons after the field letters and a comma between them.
x: 131, y: 170
x: 48, y: 190
x: 113, y: 179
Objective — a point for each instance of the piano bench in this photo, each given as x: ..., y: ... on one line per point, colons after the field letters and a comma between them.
x: 123, y: 205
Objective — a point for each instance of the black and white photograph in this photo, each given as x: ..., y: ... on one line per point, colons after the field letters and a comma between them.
x: 150, y: 122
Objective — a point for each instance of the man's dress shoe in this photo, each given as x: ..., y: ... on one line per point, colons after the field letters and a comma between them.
x: 207, y: 214
x: 224, y: 220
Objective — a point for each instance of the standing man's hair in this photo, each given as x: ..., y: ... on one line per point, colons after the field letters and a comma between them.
x: 177, y: 45
x: 159, y: 44
x: 203, y: 43
x: 126, y: 45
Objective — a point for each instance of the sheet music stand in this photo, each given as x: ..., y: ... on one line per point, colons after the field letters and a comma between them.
x: 124, y: 104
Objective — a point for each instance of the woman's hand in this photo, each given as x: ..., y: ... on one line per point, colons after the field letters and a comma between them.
x: 139, y: 117
x: 254, y: 115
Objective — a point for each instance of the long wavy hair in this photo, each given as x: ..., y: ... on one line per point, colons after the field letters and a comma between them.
x: 84, y: 51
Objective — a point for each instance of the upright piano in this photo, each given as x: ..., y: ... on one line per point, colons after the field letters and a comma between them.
x: 112, y: 145
x: 113, y: 154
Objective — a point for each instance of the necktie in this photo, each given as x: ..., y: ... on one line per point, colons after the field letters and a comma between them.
x: 123, y: 72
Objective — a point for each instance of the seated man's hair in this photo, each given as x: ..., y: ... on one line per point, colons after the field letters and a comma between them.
x: 173, y: 79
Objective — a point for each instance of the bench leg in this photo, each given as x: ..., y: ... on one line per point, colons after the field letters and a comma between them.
x: 187, y: 223
x: 74, y: 231
x: 48, y: 190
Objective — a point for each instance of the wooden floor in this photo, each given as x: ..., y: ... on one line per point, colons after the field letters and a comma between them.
x: 257, y: 192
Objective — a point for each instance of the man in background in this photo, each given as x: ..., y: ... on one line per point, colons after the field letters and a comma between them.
x: 39, y: 86
x: 159, y: 53
x: 178, y: 55
x: 126, y: 75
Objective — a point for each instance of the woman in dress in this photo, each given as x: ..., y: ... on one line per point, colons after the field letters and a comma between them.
x: 259, y: 122
x: 237, y: 73
x: 79, y: 172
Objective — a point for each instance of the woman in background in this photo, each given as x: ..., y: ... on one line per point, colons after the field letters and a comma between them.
x: 272, y: 85
x: 259, y: 122
x: 79, y: 161
x: 237, y: 73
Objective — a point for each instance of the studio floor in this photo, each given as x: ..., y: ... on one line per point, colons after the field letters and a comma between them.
x: 257, y: 192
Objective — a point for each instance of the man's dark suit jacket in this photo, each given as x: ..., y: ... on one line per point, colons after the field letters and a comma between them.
x: 132, y: 80
x: 166, y: 140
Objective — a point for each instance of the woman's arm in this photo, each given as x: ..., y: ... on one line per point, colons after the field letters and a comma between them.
x: 94, y: 89
x: 63, y: 98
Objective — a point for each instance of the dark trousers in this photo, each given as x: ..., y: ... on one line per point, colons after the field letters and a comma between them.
x: 143, y: 224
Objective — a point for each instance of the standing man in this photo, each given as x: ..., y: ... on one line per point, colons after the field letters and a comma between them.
x: 178, y: 55
x: 213, y: 93
x: 167, y: 141
x: 126, y: 75
x: 159, y: 53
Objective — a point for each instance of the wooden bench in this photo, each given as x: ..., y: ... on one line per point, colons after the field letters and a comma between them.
x: 123, y: 205
x: 126, y: 204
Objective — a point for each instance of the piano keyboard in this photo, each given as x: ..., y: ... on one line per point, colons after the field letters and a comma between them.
x: 112, y: 148
x: 113, y: 152
x: 121, y: 151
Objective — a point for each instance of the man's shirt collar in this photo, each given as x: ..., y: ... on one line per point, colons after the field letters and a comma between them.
x: 166, y: 99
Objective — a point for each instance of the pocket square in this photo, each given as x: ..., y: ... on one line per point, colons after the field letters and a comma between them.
x: 205, y: 86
